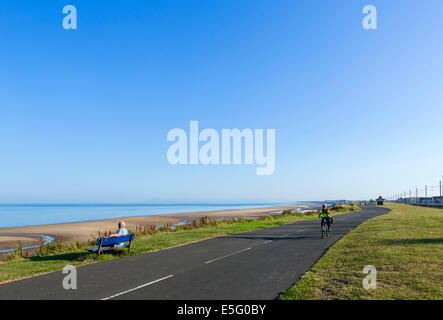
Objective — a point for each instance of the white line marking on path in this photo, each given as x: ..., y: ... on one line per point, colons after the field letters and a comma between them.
x: 285, y: 235
x: 228, y: 255
x: 136, y: 288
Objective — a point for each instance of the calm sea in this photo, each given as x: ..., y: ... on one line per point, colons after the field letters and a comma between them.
x: 18, y: 215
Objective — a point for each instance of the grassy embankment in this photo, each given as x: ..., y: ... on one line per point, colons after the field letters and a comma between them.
x: 55, y: 255
x: 405, y: 246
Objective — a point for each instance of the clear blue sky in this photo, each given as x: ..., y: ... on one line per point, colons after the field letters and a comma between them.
x: 84, y: 113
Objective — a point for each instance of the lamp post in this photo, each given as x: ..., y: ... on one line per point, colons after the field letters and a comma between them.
x: 441, y: 203
x: 416, y: 194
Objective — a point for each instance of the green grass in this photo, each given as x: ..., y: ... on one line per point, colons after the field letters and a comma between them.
x: 18, y: 267
x: 406, y: 247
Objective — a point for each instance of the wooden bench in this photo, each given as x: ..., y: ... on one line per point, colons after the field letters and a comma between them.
x: 109, y: 243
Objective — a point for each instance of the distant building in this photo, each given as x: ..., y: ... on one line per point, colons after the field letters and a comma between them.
x: 380, y: 201
x: 424, y: 200
x: 436, y: 200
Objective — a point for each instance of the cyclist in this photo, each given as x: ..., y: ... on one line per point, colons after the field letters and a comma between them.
x: 325, y: 215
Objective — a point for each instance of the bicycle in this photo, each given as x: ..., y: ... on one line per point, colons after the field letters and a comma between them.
x: 325, y: 230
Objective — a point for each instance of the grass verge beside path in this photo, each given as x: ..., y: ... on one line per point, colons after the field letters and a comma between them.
x: 20, y: 267
x: 405, y: 246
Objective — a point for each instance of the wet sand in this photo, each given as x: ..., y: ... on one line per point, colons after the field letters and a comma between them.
x: 88, y: 230
x: 10, y: 241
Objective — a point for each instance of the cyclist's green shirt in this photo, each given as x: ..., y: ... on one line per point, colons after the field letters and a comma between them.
x: 325, y: 213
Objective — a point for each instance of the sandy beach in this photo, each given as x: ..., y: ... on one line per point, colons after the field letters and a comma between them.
x: 88, y: 230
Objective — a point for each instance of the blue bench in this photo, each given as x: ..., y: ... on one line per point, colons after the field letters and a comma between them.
x: 109, y: 243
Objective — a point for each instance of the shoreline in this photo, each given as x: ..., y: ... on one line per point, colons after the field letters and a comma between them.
x: 88, y: 230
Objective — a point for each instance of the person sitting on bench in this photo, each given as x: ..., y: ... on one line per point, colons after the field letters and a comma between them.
x: 122, y: 231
